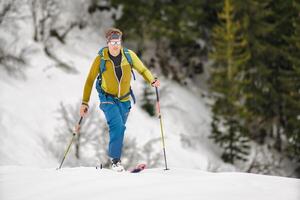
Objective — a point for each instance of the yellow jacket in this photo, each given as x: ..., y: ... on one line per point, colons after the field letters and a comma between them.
x: 110, y: 82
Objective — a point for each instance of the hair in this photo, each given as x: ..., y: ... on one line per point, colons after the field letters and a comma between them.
x: 110, y: 31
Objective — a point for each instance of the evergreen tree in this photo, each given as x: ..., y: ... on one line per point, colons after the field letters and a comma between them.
x: 255, y: 85
x: 148, y: 100
x: 256, y: 96
x: 270, y: 84
x: 174, y: 27
x: 230, y: 55
x: 291, y: 82
x: 268, y: 73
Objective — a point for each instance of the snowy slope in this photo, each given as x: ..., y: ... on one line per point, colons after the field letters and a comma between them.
x: 18, y: 183
x: 28, y: 122
x: 29, y: 110
x: 28, y: 107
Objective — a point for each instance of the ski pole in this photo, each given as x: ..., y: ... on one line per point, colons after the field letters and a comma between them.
x: 68, y: 148
x: 161, y: 127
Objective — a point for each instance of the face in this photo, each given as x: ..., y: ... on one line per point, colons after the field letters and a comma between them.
x: 114, y: 46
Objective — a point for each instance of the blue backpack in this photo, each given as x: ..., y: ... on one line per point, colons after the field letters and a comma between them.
x: 103, y: 68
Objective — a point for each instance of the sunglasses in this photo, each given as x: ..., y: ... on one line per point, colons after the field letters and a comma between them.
x: 115, y: 43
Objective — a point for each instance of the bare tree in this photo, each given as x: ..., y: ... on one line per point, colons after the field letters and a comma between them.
x: 44, y: 14
x: 88, y: 140
x: 90, y: 146
x: 266, y: 161
x: 101, y: 5
x: 152, y: 157
x: 5, y: 10
x: 12, y: 55
x: 13, y: 63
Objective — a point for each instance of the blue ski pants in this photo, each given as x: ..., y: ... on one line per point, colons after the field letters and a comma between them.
x: 116, y: 114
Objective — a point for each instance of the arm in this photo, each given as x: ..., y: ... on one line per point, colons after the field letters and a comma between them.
x: 94, y: 71
x: 141, y: 69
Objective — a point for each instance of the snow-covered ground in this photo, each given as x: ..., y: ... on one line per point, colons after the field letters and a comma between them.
x: 28, y: 118
x: 18, y: 183
x: 28, y: 108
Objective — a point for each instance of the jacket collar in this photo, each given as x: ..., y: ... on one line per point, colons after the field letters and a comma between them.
x: 106, y: 56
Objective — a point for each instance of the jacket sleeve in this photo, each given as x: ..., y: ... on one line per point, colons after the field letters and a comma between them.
x: 94, y: 71
x: 140, y: 68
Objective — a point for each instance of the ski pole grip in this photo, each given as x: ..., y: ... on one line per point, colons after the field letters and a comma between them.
x: 80, y: 120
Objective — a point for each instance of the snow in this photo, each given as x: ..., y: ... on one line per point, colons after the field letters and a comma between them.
x: 28, y: 107
x: 19, y: 183
x: 29, y: 110
x: 28, y: 121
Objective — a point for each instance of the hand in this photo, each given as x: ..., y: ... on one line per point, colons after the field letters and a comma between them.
x: 83, y: 110
x: 155, y: 83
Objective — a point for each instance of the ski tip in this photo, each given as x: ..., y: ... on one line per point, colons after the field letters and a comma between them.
x: 142, y: 166
x: 138, y: 168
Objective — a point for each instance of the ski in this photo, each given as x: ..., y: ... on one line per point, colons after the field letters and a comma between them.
x: 136, y: 169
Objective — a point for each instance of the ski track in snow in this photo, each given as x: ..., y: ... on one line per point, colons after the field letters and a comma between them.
x: 18, y: 183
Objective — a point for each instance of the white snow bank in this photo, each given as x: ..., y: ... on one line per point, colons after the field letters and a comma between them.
x: 176, y: 184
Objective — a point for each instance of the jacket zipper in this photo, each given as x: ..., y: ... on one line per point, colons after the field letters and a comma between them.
x: 119, y: 81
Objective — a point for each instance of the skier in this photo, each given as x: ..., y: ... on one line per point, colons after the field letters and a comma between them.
x: 113, y: 66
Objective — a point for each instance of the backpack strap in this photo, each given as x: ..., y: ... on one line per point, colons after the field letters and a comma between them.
x: 122, y: 97
x: 102, y: 69
x: 102, y: 61
x: 132, y: 95
x: 129, y: 59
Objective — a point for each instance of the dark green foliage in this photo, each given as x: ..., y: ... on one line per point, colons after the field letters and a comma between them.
x: 234, y: 141
x: 255, y: 77
x: 268, y: 83
x: 230, y: 54
x: 174, y: 27
x: 148, y: 100
x: 271, y: 83
x: 291, y: 81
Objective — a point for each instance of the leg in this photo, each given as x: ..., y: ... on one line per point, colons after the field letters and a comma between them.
x: 116, y: 128
x: 124, y: 110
